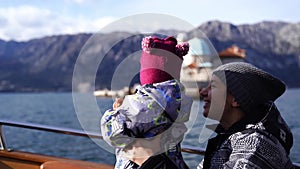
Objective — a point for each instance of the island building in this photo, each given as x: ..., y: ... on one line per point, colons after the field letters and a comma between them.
x: 201, y: 60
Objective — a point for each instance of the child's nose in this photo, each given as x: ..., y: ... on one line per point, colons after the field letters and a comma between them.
x: 203, y: 92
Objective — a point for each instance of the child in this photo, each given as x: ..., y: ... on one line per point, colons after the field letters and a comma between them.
x: 148, y: 126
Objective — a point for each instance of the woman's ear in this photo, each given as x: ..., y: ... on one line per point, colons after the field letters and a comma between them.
x: 234, y: 103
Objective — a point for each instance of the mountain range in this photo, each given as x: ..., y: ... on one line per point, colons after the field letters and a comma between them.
x: 47, y: 64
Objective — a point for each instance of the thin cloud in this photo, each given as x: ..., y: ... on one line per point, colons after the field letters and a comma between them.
x: 24, y: 20
x: 27, y: 22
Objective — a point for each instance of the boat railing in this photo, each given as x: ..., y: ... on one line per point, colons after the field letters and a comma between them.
x: 192, y: 150
x: 67, y: 131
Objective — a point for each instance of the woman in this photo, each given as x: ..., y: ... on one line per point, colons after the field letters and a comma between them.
x: 251, y: 132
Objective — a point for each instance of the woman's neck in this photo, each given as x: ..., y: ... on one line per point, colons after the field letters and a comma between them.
x: 231, y: 118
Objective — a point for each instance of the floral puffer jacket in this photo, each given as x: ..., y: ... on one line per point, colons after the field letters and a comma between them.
x: 160, y: 108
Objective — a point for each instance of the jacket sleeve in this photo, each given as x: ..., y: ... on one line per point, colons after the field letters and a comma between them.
x: 257, y: 150
x: 146, y: 114
x: 112, y: 127
x: 138, y: 117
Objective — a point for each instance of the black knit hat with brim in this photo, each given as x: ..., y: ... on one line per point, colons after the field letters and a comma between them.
x: 250, y: 86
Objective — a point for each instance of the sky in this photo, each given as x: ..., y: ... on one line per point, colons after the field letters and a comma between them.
x: 22, y: 20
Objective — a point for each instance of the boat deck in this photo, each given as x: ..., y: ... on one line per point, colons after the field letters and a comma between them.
x: 26, y: 160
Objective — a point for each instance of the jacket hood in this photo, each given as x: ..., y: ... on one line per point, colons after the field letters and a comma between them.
x: 275, y: 124
x: 155, y: 109
x: 272, y: 122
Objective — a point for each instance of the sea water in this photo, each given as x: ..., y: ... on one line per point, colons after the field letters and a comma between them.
x: 84, y: 113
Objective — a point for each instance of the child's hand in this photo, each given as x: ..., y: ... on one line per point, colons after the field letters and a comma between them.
x: 118, y: 102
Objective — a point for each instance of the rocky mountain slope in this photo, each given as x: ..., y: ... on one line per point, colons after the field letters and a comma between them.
x: 47, y: 64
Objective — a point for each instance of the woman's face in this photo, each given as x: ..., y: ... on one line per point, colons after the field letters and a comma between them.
x: 214, y: 97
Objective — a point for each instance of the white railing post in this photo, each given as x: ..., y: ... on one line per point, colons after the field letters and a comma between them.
x: 2, y: 140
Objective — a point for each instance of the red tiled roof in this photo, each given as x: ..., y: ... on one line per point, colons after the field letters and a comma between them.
x: 233, y: 51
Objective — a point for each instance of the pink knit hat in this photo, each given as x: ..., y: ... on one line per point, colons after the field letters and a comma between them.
x: 161, y: 59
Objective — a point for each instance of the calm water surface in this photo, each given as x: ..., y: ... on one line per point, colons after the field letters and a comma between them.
x: 57, y: 109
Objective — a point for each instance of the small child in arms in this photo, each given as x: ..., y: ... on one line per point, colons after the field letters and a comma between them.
x: 146, y: 128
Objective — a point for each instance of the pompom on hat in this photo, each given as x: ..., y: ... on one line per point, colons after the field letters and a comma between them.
x: 161, y: 59
x: 250, y: 86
